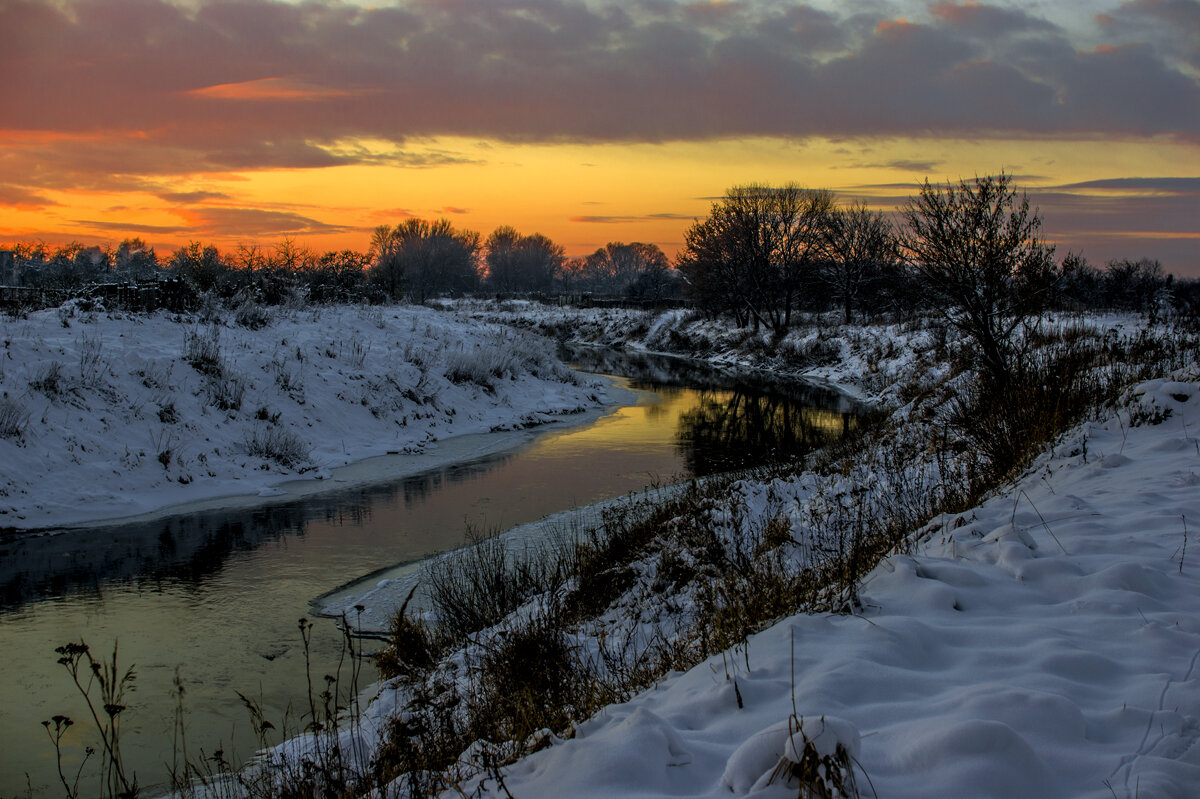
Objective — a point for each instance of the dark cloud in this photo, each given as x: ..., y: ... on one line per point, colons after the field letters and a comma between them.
x: 610, y: 220
x: 150, y: 86
x: 21, y: 197
x: 1173, y: 26
x: 901, y: 165
x: 1180, y: 186
x: 252, y: 222
x: 222, y: 223
x: 130, y: 227
x: 190, y: 197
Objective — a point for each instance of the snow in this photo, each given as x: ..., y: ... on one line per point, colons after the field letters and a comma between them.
x: 1043, y: 644
x: 865, y: 361
x: 108, y: 417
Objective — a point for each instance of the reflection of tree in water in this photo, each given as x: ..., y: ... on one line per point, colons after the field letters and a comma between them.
x: 192, y: 548
x: 760, y: 423
x: 661, y: 372
x: 738, y: 430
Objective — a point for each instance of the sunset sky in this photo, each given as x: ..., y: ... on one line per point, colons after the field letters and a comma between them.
x: 240, y: 121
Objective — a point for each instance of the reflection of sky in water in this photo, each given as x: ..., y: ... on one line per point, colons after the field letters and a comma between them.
x: 218, y: 594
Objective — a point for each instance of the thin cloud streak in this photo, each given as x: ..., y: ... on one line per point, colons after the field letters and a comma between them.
x: 611, y: 220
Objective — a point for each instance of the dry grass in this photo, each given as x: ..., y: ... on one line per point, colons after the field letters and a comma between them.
x: 733, y: 574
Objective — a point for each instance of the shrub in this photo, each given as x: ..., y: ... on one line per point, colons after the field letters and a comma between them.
x: 203, y: 351
x: 529, y: 681
x: 91, y: 366
x: 480, y: 365
x: 250, y: 314
x: 226, y: 392
x: 476, y: 586
x: 13, y: 418
x: 50, y: 380
x: 277, y: 444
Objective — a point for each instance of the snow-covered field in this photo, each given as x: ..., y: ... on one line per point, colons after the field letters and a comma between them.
x: 108, y: 415
x: 1044, y: 644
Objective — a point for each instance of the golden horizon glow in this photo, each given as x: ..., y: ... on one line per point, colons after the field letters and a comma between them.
x: 584, y: 195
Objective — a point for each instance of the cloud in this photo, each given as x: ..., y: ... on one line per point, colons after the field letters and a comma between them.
x: 257, y: 85
x: 282, y: 89
x: 191, y: 197
x: 132, y: 227
x: 222, y: 223
x: 1177, y: 186
x: 610, y: 220
x: 902, y: 165
x: 21, y: 197
x: 252, y: 222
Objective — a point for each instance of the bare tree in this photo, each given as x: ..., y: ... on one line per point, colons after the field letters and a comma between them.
x: 201, y: 266
x: 522, y: 263
x: 135, y: 259
x: 421, y: 259
x: 861, y: 247
x: 756, y: 251
x: 616, y: 266
x: 977, y: 248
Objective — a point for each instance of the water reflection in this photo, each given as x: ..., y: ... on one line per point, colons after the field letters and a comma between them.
x: 191, y: 549
x: 219, y: 591
x: 742, y: 419
x: 739, y: 429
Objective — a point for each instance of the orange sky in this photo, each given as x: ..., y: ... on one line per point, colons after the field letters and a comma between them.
x: 588, y: 122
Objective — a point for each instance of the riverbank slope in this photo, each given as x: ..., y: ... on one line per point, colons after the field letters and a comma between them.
x: 111, y: 415
x: 1039, y: 640
x: 1045, y: 643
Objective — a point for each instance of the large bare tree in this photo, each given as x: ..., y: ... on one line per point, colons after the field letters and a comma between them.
x: 522, y: 263
x: 978, y: 249
x: 421, y: 259
x: 756, y: 251
x: 861, y: 248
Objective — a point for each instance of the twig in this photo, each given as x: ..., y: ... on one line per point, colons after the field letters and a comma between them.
x: 1183, y: 555
x: 1013, y: 521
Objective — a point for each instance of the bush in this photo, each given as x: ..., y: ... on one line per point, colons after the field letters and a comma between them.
x: 13, y: 418
x: 203, y: 352
x: 277, y: 444
x: 249, y: 313
x: 480, y: 365
x: 226, y: 392
x: 50, y: 380
x: 475, y: 587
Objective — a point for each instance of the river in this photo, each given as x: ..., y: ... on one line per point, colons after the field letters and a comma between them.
x: 215, y: 596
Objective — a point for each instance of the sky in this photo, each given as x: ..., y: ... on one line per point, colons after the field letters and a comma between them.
x: 245, y: 121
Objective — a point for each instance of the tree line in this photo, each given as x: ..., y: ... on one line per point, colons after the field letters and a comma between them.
x: 766, y: 253
x: 763, y: 256
x: 414, y: 260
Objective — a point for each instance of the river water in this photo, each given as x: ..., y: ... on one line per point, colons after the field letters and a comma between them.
x: 215, y: 597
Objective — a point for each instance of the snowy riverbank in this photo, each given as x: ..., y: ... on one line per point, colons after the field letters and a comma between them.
x: 1044, y: 644
x: 105, y: 416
